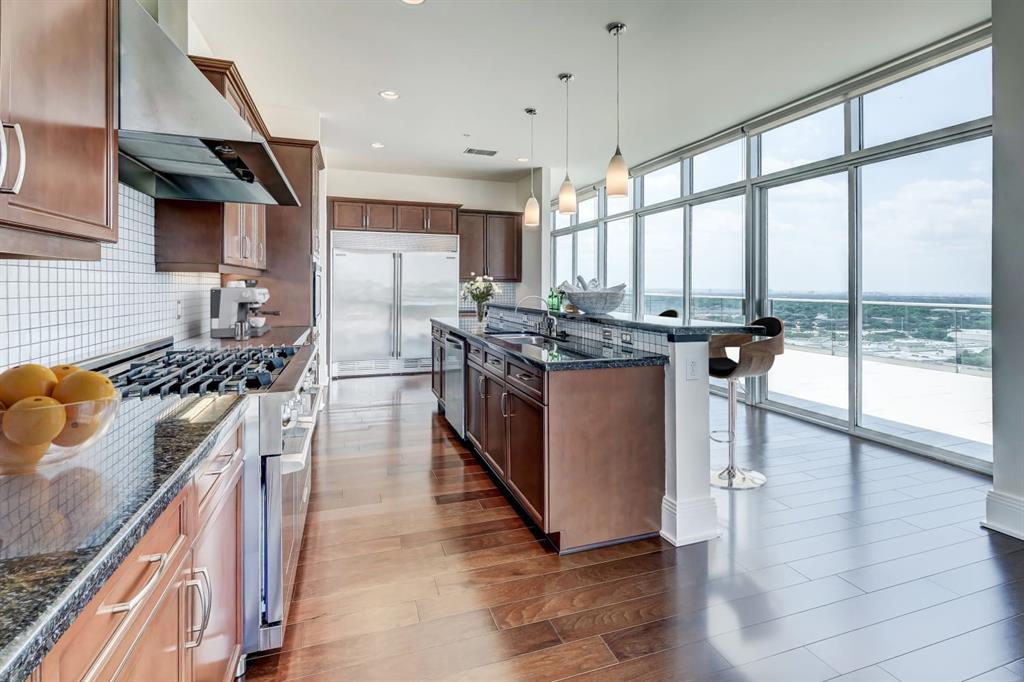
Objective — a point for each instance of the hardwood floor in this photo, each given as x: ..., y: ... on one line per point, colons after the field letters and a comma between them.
x: 855, y: 562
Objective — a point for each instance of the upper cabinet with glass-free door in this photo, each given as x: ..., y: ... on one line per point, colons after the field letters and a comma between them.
x: 57, y: 106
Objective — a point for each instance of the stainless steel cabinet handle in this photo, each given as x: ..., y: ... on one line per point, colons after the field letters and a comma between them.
x: 260, y: 249
x: 207, y: 602
x: 524, y: 377
x: 480, y: 384
x: 501, y: 405
x: 16, y: 187
x: 492, y: 361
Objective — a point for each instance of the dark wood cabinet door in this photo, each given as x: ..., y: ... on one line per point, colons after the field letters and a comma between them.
x: 380, y: 217
x: 526, y: 460
x: 234, y: 234
x: 348, y: 216
x: 412, y: 219
x: 440, y: 220
x: 504, y: 255
x: 471, y: 245
x: 494, y: 425
x: 437, y: 369
x: 216, y: 565
x: 260, y: 236
x: 57, y: 61
x: 475, y: 406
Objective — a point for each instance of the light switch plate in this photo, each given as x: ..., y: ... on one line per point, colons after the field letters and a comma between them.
x: 627, y: 338
x: 606, y: 334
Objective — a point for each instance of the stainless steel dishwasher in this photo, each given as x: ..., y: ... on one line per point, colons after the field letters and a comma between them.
x: 455, y: 383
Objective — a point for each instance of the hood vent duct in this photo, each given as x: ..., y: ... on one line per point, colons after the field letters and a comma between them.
x: 178, y: 138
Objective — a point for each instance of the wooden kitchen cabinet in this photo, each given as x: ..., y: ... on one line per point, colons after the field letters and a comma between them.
x: 383, y: 215
x: 495, y: 444
x: 490, y: 244
x: 217, y: 569
x: 472, y: 249
x: 60, y: 92
x: 176, y: 597
x: 526, y: 452
x: 412, y: 218
x: 475, y: 406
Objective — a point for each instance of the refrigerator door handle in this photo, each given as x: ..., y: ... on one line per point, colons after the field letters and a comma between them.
x: 398, y: 307
x: 394, y: 306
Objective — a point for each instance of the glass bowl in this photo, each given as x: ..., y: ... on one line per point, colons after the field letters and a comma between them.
x: 83, y: 424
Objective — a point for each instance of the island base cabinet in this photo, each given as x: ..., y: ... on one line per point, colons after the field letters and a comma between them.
x: 526, y: 453
x: 474, y: 406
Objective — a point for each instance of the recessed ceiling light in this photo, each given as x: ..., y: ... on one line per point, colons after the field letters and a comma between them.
x: 413, y: 2
x: 522, y: 159
x: 389, y: 94
x: 377, y: 145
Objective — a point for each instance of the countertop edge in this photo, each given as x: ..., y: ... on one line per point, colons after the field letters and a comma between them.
x: 675, y: 332
x: 41, y: 637
x: 648, y: 360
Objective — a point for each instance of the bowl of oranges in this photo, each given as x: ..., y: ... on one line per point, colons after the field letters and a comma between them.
x: 49, y: 414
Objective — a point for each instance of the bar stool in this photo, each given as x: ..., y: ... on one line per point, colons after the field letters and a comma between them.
x: 755, y: 359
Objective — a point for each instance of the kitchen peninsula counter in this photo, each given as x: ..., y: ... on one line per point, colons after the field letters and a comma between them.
x: 65, y: 528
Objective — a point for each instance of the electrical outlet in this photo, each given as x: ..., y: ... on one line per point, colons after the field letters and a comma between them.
x: 627, y: 338
x: 177, y: 309
x: 606, y: 334
x: 691, y: 370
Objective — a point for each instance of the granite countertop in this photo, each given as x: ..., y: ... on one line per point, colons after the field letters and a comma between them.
x: 559, y: 355
x: 675, y: 328
x: 277, y: 336
x: 65, y: 528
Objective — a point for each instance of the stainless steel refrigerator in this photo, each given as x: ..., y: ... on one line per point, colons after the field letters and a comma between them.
x: 385, y: 287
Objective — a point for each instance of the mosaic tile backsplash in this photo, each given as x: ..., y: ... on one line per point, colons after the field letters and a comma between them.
x: 508, y: 293
x: 586, y: 331
x: 66, y: 311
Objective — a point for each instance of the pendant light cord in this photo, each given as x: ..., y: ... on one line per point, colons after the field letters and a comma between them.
x: 567, y: 127
x: 531, y: 152
x: 617, y: 80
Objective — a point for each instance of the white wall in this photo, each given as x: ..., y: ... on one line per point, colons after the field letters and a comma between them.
x: 1006, y: 501
x: 479, y: 194
x: 535, y: 282
x: 197, y: 43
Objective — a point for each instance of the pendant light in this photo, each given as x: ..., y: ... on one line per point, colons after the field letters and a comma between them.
x: 567, y: 193
x: 531, y: 214
x: 617, y: 179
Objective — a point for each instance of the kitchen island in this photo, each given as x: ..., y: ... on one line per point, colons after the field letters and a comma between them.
x: 573, y: 430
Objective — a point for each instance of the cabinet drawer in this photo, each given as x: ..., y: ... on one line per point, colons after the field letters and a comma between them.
x: 437, y: 333
x: 111, y: 621
x: 494, y: 363
x: 475, y: 353
x: 216, y: 469
x: 529, y: 380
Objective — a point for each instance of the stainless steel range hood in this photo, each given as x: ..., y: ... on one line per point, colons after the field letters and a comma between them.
x: 178, y: 137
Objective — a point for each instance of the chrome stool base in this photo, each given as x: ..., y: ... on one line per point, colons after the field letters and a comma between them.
x: 735, y: 478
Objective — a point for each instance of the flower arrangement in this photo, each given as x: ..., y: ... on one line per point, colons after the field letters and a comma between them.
x: 480, y: 289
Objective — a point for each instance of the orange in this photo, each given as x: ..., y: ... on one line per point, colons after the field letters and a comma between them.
x: 15, y: 457
x: 77, y: 430
x: 34, y: 421
x: 25, y: 381
x: 83, y: 385
x: 61, y: 371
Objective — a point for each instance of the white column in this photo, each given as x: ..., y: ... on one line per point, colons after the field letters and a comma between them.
x: 1005, y: 511
x: 688, y: 512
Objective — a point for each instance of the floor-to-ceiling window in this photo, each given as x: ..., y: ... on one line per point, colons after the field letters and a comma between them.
x: 862, y: 218
x: 586, y: 254
x: 807, y: 227
x: 664, y: 278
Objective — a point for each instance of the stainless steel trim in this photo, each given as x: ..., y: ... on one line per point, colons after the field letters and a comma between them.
x: 182, y: 139
x: 110, y: 361
x: 502, y: 402
x: 273, y: 577
x: 193, y: 628
x: 398, y: 305
x: 22, y: 160
x: 3, y: 153
x: 161, y: 561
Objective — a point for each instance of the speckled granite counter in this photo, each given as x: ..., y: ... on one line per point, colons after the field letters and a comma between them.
x: 674, y: 328
x: 277, y: 336
x: 558, y: 355
x: 65, y: 528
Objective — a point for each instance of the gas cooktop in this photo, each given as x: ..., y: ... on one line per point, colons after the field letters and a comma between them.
x: 203, y: 371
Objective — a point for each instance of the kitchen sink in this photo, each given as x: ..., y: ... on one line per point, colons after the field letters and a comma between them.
x: 523, y: 339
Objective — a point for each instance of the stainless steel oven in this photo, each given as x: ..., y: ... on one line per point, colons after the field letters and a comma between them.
x: 279, y: 422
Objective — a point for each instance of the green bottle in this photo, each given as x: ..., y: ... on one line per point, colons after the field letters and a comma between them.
x: 554, y: 300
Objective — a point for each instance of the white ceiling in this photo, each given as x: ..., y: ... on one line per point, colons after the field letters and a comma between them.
x: 689, y: 69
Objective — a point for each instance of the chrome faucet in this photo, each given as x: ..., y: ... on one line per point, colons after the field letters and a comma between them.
x: 550, y: 322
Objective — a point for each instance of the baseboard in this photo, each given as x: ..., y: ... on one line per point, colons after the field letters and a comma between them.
x: 1004, y: 514
x: 687, y: 522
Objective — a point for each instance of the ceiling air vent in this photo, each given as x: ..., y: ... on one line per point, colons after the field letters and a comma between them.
x: 479, y: 152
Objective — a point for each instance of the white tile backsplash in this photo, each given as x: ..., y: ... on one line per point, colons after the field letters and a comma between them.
x: 66, y: 311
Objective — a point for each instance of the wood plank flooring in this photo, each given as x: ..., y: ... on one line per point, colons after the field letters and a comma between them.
x: 855, y: 562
